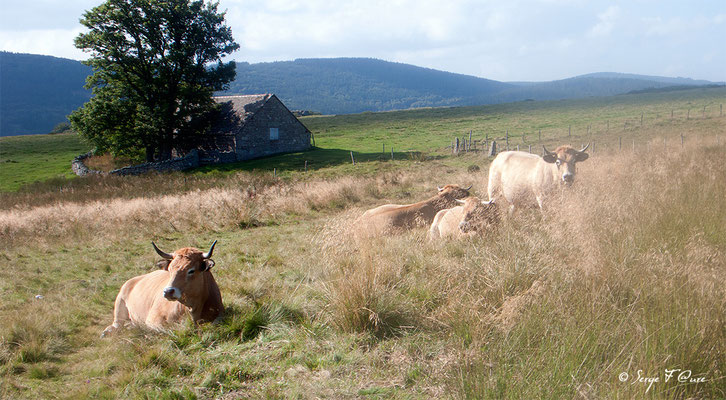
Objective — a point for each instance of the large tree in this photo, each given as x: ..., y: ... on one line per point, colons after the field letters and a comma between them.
x: 156, y: 65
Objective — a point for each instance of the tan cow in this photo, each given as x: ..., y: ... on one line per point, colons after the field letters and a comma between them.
x: 471, y: 216
x: 522, y: 178
x: 184, y: 285
x: 390, y: 217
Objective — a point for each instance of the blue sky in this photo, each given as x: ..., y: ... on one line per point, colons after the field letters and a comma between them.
x: 506, y: 40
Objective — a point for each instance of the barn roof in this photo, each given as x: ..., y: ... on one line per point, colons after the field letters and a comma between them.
x: 236, y: 110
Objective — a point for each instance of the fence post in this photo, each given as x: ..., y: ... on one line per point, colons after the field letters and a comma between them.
x: 517, y: 147
x: 688, y: 115
x: 469, y: 137
x: 351, y: 158
x: 274, y: 172
x: 456, y: 151
x: 384, y: 149
x: 493, y: 149
x: 391, y: 153
x: 306, y: 165
x: 530, y: 148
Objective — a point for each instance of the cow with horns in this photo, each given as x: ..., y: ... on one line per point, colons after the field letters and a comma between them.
x: 522, y: 178
x: 183, y: 285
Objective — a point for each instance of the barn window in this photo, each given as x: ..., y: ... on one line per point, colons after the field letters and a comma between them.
x: 274, y: 134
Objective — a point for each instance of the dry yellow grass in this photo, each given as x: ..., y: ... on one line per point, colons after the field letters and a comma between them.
x: 623, y: 272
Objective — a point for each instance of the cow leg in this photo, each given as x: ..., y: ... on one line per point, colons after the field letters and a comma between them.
x: 120, y: 316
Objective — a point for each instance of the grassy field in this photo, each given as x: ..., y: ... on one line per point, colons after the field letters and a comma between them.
x: 623, y: 275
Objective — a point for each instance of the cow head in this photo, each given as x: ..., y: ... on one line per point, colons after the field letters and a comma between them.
x: 565, y: 158
x: 477, y: 214
x: 454, y: 191
x: 186, y: 267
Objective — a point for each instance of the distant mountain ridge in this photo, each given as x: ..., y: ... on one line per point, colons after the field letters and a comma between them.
x: 38, y: 92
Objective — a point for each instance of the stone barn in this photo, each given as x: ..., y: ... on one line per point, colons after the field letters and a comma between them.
x: 252, y: 126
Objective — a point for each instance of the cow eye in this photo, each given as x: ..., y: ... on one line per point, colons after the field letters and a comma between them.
x: 191, y: 271
x: 558, y: 162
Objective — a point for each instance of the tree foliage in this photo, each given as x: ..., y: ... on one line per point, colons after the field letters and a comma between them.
x: 156, y: 65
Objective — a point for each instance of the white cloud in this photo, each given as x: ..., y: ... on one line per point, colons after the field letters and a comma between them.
x: 55, y: 42
x: 606, y: 22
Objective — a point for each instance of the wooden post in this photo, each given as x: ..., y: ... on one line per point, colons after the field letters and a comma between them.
x: 456, y: 151
x: 592, y: 147
x: 391, y: 153
x: 470, y: 137
x: 493, y: 150
x: 486, y: 141
x: 274, y: 172
x: 688, y: 115
x: 517, y: 147
x: 351, y: 158
x: 384, y: 149
x: 530, y: 149
x: 306, y: 165
x: 720, y: 114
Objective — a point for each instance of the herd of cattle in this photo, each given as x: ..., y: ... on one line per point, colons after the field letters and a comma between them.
x: 184, y: 284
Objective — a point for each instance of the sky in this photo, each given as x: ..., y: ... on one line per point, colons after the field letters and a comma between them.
x: 504, y: 40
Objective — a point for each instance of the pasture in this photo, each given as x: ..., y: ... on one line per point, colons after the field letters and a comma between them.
x: 621, y: 279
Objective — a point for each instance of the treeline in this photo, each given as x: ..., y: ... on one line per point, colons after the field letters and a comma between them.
x: 38, y: 92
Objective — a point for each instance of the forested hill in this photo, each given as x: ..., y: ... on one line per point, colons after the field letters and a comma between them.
x: 351, y: 85
x: 38, y: 92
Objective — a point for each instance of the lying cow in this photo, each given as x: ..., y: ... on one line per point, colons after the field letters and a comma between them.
x: 472, y: 215
x: 522, y: 178
x: 389, y: 217
x: 184, y: 285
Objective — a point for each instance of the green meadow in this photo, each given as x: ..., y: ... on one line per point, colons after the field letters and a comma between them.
x: 613, y: 285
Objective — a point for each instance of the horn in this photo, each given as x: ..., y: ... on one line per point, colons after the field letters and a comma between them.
x: 486, y: 203
x: 163, y: 255
x: 440, y: 188
x: 584, y: 148
x: 460, y: 201
x: 209, y: 253
x: 547, y: 151
x: 469, y: 187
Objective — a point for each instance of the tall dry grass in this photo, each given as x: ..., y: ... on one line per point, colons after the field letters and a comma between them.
x: 622, y: 272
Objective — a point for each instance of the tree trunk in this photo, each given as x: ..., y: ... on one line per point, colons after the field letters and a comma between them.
x: 149, y: 154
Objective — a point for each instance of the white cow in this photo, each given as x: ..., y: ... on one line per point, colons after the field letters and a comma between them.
x: 473, y: 215
x: 522, y: 178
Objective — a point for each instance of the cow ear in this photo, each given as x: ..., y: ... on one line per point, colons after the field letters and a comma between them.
x: 550, y: 157
x: 582, y: 156
x: 207, y: 264
x: 163, y: 264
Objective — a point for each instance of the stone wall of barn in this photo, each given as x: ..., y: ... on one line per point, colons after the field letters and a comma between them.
x: 254, y: 141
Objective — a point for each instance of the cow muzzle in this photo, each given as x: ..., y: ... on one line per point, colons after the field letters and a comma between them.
x: 172, y: 293
x: 464, y: 226
x: 568, y: 178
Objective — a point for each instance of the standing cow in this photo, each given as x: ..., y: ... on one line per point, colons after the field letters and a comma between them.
x: 184, y: 285
x: 522, y: 178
